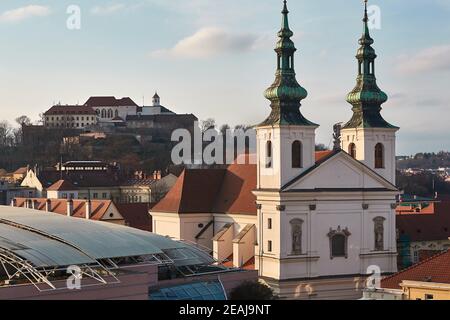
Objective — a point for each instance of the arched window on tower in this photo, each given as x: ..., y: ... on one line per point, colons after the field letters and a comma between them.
x: 269, y: 154
x: 379, y: 156
x: 352, y: 150
x: 110, y: 113
x: 297, y: 154
x: 103, y: 113
x: 116, y: 113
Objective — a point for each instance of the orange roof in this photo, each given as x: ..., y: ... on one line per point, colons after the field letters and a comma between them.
x: 435, y: 269
x: 322, y: 154
x: 22, y: 170
x: 62, y: 185
x: 98, y: 207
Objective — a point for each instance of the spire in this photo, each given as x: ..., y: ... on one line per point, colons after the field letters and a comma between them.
x: 285, y: 94
x: 366, y: 98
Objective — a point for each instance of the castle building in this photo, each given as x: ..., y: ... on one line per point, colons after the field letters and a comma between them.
x: 314, y: 224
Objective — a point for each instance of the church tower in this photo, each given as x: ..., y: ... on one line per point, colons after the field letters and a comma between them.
x: 367, y: 137
x: 286, y: 139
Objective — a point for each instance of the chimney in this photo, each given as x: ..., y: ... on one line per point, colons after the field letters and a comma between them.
x: 14, y: 202
x: 69, y: 207
x: 48, y: 205
x: 88, y: 209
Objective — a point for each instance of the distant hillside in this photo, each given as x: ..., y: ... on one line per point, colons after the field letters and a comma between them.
x: 425, y: 161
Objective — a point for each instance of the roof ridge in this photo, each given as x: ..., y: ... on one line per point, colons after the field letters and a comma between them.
x: 417, y: 264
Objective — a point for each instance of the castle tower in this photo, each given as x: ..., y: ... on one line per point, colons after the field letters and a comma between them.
x: 367, y: 136
x: 156, y: 100
x: 286, y: 139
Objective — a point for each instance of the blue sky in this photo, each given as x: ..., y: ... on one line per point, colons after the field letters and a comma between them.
x: 214, y: 58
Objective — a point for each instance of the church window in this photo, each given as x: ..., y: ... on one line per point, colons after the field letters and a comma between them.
x: 269, y: 154
x: 103, y: 113
x: 269, y: 246
x: 379, y: 233
x: 269, y: 224
x: 296, y: 234
x: 297, y: 154
x: 352, y: 150
x: 379, y: 156
x: 339, y: 243
x: 110, y: 113
x: 117, y: 113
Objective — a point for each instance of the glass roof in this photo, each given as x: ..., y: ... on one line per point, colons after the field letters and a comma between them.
x: 211, y: 290
x: 48, y: 239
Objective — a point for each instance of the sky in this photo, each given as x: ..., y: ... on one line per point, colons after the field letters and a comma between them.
x: 215, y: 58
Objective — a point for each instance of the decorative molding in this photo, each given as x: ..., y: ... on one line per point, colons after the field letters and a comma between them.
x: 312, y: 207
x: 365, y: 206
x: 393, y: 206
x: 339, y: 232
x: 258, y: 206
x: 281, y: 208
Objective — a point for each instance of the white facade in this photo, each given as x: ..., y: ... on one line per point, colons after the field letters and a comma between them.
x: 365, y: 141
x: 280, y: 172
x: 107, y: 114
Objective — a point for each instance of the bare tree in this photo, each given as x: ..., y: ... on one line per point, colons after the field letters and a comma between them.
x: 208, y: 124
x: 23, y: 121
x: 5, y: 134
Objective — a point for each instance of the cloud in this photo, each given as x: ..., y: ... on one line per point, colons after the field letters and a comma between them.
x: 23, y: 13
x: 209, y: 42
x: 108, y: 9
x: 428, y: 60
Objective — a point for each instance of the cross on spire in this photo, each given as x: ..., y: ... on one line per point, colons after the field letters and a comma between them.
x: 286, y: 93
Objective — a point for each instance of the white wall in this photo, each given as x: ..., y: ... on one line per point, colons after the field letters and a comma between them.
x: 366, y: 140
x: 282, y: 139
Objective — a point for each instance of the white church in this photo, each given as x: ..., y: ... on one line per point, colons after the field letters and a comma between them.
x: 314, y: 224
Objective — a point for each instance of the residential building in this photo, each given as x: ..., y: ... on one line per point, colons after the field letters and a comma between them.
x: 70, y: 117
x: 93, y: 179
x: 146, y: 189
x: 424, y: 231
x: 9, y: 191
x: 99, y: 210
x: 427, y: 280
x: 313, y: 223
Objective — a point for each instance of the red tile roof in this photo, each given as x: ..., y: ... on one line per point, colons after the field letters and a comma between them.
x: 435, y: 269
x: 98, y: 207
x: 426, y: 227
x: 322, y: 154
x: 62, y: 185
x: 110, y: 102
x: 70, y: 110
x: 235, y: 195
x: 194, y: 192
x: 136, y: 215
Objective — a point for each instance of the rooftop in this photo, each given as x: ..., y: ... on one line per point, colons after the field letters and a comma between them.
x: 435, y: 269
x: 33, y: 242
x: 110, y: 102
